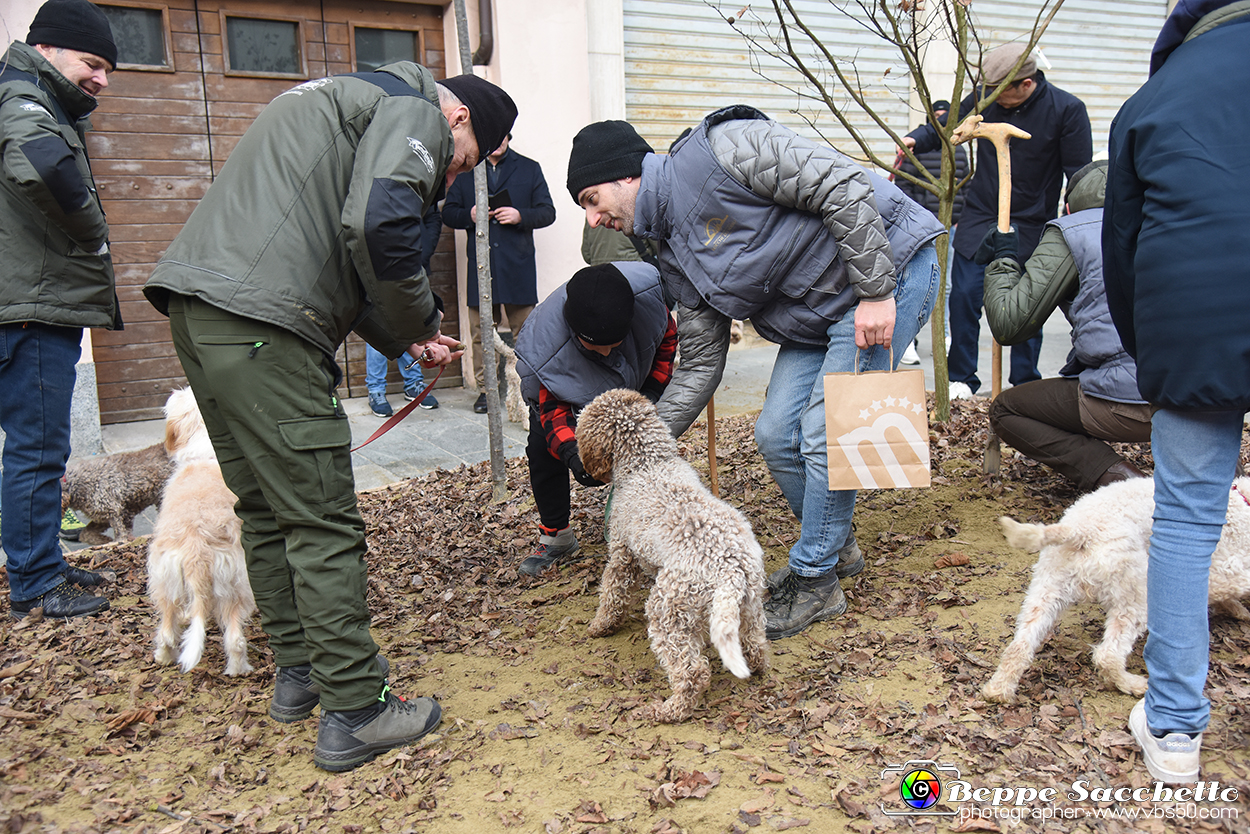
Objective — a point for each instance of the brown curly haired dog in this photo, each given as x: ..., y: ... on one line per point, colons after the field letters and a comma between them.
x: 113, y: 489
x: 707, y: 565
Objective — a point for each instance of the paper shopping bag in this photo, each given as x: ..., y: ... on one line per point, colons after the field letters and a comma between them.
x: 877, y: 430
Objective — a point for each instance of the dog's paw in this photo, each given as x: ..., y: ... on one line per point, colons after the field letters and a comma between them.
x: 241, y: 668
x: 999, y: 692
x: 164, y: 655
x: 1129, y: 684
x: 668, y: 712
x: 600, y: 627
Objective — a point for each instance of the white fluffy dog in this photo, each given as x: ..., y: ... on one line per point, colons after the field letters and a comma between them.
x: 195, y: 559
x: 1098, y: 553
x: 708, y: 567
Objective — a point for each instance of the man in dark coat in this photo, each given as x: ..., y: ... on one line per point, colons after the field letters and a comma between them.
x: 1061, y: 144
x: 1176, y: 254
x: 514, y: 275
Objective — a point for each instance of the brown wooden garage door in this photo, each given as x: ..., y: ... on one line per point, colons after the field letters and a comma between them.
x: 193, y: 75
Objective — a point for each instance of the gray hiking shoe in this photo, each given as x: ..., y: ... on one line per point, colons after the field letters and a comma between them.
x: 295, y: 693
x: 551, y: 550
x: 801, y: 601
x: 348, y: 738
x: 850, y: 563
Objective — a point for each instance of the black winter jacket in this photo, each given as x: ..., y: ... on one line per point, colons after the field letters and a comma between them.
x: 1176, y: 253
x: 1061, y: 144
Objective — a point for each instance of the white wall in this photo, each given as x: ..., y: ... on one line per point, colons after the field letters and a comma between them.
x: 15, y: 18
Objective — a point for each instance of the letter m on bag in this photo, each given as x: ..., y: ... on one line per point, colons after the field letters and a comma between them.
x: 877, y: 430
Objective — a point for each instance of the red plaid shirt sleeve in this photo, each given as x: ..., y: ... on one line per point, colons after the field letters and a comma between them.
x: 662, y: 366
x: 557, y: 420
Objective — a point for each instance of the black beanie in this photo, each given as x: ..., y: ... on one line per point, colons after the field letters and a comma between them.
x: 599, y: 304
x: 74, y: 24
x: 604, y: 152
x: 491, y: 110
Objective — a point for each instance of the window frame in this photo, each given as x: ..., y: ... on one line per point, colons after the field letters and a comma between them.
x: 416, y: 29
x: 168, y: 36
x: 301, y: 41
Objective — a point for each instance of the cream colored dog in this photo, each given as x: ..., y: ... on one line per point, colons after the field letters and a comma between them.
x: 195, y: 559
x: 707, y: 565
x: 1098, y: 553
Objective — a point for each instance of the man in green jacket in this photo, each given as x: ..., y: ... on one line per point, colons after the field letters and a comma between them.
x: 1066, y: 422
x: 312, y: 230
x: 56, y: 277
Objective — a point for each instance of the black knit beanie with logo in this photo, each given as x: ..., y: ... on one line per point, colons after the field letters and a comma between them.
x: 604, y: 152
x: 74, y: 24
x: 491, y: 110
x: 599, y: 304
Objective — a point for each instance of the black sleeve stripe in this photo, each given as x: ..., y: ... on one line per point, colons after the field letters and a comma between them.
x: 393, y: 230
x: 53, y: 160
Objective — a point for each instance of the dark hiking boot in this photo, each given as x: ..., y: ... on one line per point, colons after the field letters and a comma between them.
x: 850, y: 563
x: 1122, y: 471
x: 295, y: 693
x: 348, y: 738
x: 801, y: 601
x: 88, y: 578
x: 62, y: 602
x: 551, y: 550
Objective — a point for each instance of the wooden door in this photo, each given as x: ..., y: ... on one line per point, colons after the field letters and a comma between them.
x: 192, y: 76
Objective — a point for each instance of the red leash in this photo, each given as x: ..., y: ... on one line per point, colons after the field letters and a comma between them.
x: 394, y: 420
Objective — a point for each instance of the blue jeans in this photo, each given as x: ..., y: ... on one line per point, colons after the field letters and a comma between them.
x: 1195, y: 456
x: 966, y: 296
x: 37, y: 380
x: 375, y: 372
x: 790, y: 431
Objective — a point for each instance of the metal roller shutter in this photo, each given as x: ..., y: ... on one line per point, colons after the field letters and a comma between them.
x: 1098, y: 50
x: 682, y: 60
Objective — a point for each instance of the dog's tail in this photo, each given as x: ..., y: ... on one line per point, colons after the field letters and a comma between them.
x: 1033, y: 537
x: 198, y: 579
x: 726, y: 602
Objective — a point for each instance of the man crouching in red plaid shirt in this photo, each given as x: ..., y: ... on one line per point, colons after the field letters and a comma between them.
x: 608, y: 327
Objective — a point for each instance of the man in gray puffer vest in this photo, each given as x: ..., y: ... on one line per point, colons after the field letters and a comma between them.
x: 312, y: 230
x: 1064, y: 422
x: 825, y: 259
x: 56, y: 277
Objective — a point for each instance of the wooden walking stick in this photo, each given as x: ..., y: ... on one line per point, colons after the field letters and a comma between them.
x: 999, y: 134
x: 711, y: 446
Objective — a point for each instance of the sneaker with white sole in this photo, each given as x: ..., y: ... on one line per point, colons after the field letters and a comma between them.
x: 1173, y: 758
x: 960, y: 391
x: 910, y: 356
x: 379, y: 406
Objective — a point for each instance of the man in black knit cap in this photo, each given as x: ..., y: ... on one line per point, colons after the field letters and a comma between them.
x: 608, y: 327
x: 56, y: 277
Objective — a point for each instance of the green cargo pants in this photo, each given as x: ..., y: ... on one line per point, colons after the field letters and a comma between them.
x: 283, y: 443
